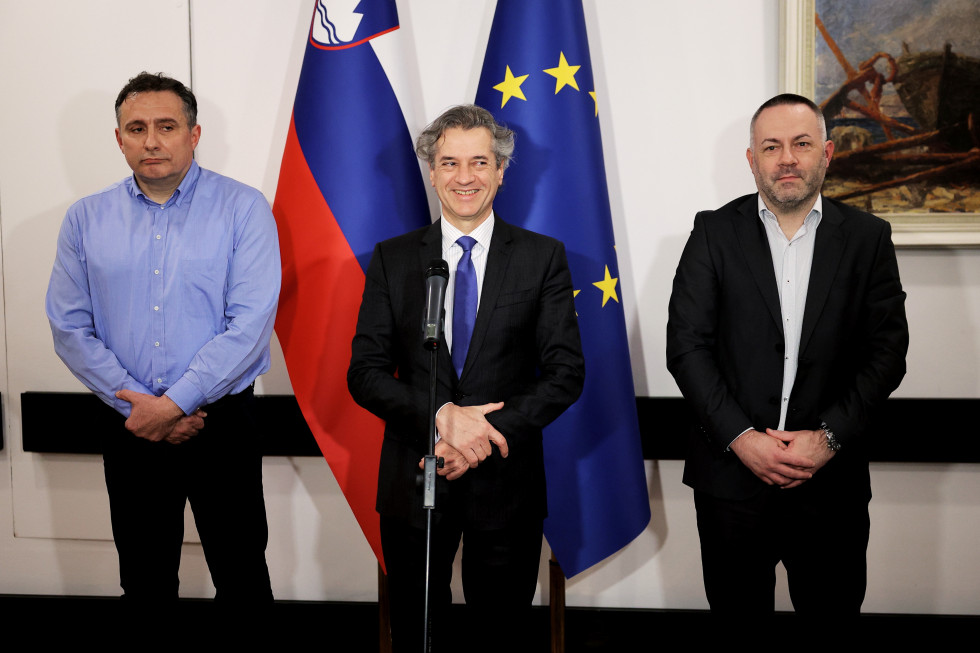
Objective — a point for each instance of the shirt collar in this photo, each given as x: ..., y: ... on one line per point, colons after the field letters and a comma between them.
x: 766, y: 214
x: 183, y: 192
x: 482, y: 234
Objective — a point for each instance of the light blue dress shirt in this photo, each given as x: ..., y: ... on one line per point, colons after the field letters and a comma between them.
x: 176, y: 299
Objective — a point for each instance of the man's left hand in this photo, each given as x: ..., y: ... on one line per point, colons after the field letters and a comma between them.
x: 152, y: 418
x: 466, y: 429
x: 812, y: 444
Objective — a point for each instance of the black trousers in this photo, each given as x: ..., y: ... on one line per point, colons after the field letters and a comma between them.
x: 821, y: 540
x: 500, y: 571
x: 220, y: 472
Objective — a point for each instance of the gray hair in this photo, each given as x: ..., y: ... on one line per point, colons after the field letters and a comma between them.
x: 789, y: 99
x: 466, y: 116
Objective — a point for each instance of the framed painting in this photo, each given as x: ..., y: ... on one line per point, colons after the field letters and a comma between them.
x: 899, y: 84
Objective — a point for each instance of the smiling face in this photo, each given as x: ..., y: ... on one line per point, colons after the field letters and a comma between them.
x: 158, y: 144
x: 465, y: 176
x: 789, y: 157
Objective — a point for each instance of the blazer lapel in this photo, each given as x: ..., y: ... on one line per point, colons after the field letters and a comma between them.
x: 498, y: 258
x: 431, y: 245
x: 827, y: 252
x: 751, y: 234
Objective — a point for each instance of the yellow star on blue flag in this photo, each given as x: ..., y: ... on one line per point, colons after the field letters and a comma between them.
x: 511, y: 87
x: 564, y: 74
x: 608, y: 287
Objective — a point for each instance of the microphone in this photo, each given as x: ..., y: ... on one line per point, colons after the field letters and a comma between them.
x: 436, y: 280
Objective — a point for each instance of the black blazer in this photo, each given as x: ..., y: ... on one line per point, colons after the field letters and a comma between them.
x: 525, y: 351
x: 725, y: 341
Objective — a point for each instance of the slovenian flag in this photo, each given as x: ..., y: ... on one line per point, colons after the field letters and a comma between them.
x: 349, y: 178
x: 537, y: 80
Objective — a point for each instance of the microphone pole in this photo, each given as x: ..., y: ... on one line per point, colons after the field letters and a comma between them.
x: 436, y: 280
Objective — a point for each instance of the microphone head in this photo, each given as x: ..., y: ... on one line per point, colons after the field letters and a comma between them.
x: 437, y: 267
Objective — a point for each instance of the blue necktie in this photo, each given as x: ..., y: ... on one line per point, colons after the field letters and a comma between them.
x: 464, y: 303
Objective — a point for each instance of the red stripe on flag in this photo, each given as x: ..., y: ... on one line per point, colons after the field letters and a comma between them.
x: 322, y: 285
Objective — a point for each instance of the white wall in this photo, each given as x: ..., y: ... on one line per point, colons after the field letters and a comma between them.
x: 677, y: 83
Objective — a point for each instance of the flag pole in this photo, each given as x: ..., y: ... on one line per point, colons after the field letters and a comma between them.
x: 556, y: 597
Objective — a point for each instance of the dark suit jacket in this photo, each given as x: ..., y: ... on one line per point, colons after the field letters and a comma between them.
x: 725, y: 341
x: 525, y: 351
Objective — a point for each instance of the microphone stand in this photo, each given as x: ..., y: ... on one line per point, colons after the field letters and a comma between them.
x: 432, y: 328
x: 431, y: 463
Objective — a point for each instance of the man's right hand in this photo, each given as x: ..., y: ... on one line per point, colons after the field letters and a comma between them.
x: 454, y: 465
x: 466, y: 429
x: 769, y: 459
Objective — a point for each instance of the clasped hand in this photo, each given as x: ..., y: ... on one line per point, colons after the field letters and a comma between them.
x: 160, y: 419
x: 783, y: 458
x: 466, y: 437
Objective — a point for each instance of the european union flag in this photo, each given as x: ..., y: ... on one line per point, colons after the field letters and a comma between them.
x: 537, y: 79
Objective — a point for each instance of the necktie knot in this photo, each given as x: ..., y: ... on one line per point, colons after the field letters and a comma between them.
x: 466, y: 242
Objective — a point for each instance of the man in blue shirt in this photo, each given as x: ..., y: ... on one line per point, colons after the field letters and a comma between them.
x: 162, y: 301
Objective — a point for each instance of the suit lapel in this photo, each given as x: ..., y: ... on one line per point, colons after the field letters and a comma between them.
x: 752, y: 239
x: 827, y: 251
x: 431, y: 245
x: 498, y: 258
x: 430, y: 248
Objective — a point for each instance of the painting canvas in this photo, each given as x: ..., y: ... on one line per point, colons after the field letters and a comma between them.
x: 899, y: 83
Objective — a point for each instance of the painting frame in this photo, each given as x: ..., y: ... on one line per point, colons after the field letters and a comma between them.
x: 797, y: 74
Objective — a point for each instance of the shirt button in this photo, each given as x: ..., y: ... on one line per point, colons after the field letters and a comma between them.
x: 156, y: 308
x: 158, y: 236
x: 156, y: 344
x: 159, y: 379
x: 156, y: 272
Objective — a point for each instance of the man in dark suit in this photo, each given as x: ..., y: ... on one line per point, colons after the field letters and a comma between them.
x: 510, y: 363
x: 786, y: 330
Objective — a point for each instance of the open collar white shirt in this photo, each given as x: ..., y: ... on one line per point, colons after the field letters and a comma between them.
x: 792, y: 259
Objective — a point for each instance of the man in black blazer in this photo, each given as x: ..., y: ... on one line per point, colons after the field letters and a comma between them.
x: 522, y: 367
x: 786, y: 331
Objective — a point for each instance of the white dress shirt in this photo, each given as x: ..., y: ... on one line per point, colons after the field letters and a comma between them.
x: 792, y: 259
x: 452, y: 252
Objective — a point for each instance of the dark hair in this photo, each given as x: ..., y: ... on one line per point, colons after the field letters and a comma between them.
x: 466, y: 116
x: 784, y: 99
x: 148, y: 83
